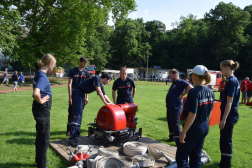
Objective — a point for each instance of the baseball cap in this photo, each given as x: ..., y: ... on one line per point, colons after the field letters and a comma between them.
x: 199, y: 70
x: 247, y: 78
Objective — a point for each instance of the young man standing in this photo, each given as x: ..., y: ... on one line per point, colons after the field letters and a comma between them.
x: 76, y: 76
x: 124, y: 86
x: 244, y: 90
x: 5, y: 75
x: 174, y: 104
x: 15, y: 81
x: 88, y: 86
x: 21, y: 79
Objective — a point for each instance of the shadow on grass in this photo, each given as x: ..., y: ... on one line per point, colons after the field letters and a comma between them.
x: 56, y: 135
x: 12, y: 165
x: 165, y: 120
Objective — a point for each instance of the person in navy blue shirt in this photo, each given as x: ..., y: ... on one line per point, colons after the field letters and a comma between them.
x: 21, y: 79
x: 76, y: 76
x: 88, y: 86
x: 197, y: 111
x: 229, y: 111
x: 15, y: 81
x: 174, y: 104
x: 124, y: 86
x: 41, y: 107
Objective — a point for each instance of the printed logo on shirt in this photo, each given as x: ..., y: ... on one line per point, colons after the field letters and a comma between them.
x: 173, y: 86
x: 34, y: 82
x: 206, y: 101
x: 128, y: 83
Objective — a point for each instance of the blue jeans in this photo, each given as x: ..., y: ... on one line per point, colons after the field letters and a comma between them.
x: 192, y: 147
x: 77, y: 110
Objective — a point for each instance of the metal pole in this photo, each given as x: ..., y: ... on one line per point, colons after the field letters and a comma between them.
x: 147, y: 66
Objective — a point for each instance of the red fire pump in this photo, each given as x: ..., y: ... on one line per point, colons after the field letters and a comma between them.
x: 115, y: 121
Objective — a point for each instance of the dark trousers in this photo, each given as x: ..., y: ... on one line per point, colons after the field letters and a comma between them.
x: 122, y: 100
x: 226, y: 137
x: 173, y: 120
x: 78, y: 105
x: 41, y: 113
x: 192, y: 147
x: 226, y: 145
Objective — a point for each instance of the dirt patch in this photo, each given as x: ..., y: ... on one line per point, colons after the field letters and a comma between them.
x: 6, y: 89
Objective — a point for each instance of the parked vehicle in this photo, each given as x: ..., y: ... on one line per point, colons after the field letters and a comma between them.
x: 91, y: 69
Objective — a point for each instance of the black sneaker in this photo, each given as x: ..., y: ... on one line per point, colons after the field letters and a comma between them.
x: 73, y: 142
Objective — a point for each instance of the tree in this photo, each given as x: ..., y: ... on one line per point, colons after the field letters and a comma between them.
x: 156, y: 29
x: 98, y: 46
x: 62, y: 27
x: 226, y: 27
x: 129, y: 44
x: 9, y: 28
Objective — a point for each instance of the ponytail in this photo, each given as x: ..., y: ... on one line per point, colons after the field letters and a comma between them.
x: 40, y: 63
x: 46, y: 60
x: 206, y: 77
x: 231, y: 64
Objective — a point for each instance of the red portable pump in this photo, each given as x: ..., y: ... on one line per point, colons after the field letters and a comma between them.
x: 116, y: 121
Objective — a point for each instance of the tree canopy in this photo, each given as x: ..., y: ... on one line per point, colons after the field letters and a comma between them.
x: 62, y: 27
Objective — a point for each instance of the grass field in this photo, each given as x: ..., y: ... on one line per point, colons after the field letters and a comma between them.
x: 17, y: 126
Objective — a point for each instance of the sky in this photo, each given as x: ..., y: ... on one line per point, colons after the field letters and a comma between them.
x: 169, y: 11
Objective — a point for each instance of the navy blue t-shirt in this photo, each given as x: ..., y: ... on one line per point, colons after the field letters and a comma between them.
x: 124, y: 87
x: 78, y: 76
x: 200, y: 101
x: 14, y: 77
x: 88, y: 86
x: 41, y: 82
x: 231, y: 89
x: 176, y: 89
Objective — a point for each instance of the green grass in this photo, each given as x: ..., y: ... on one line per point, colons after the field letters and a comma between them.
x: 17, y: 126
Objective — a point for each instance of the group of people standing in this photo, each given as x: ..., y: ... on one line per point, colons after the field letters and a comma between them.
x: 197, y: 112
x: 15, y: 78
x: 197, y: 109
x: 81, y: 84
x: 246, y: 89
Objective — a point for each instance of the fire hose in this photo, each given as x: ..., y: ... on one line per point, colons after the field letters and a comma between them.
x: 134, y: 148
x: 108, y: 162
x: 108, y: 152
x: 144, y: 160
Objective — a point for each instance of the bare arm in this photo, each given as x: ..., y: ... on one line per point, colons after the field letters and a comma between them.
x: 70, y: 81
x: 113, y: 95
x: 189, y: 121
x: 186, y: 91
x: 134, y: 93
x: 226, y: 112
x: 99, y: 92
x: 107, y: 99
x: 37, y: 96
